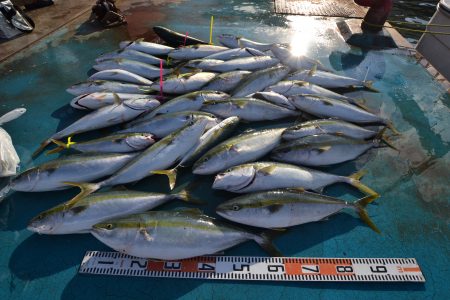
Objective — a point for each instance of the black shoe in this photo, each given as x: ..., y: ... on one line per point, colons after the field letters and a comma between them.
x: 39, y: 4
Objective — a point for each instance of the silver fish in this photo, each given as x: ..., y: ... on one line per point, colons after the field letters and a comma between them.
x: 184, y: 83
x: 247, y: 109
x: 146, y: 47
x: 98, y: 100
x: 322, y: 150
x: 233, y: 41
x: 274, y: 98
x: 264, y: 176
x: 145, y: 70
x: 296, y: 62
x: 106, y: 86
x: 259, y: 80
x: 163, y: 125
x: 131, y: 55
x: 236, y: 53
x: 246, y: 63
x: 120, y: 75
x: 286, y: 208
x: 328, y: 126
x: 227, y: 81
x: 104, y: 117
x: 175, y: 234
x: 195, y: 51
x: 79, y: 217
x: 243, y: 148
x: 52, y: 175
x: 116, y: 143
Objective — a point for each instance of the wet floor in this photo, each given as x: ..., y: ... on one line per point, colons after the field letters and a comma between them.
x: 413, y: 212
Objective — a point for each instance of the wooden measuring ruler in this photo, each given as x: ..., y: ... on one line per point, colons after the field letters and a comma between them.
x: 256, y: 268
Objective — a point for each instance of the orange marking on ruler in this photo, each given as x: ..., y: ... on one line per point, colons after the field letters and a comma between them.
x: 414, y: 269
x: 316, y: 267
x: 186, y: 265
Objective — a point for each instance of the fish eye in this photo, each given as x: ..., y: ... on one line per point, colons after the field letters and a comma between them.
x: 109, y: 226
x: 236, y: 207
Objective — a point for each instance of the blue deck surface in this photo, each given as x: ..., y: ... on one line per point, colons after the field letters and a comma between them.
x: 413, y: 211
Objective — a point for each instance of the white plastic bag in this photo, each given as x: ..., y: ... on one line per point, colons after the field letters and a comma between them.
x: 9, y: 160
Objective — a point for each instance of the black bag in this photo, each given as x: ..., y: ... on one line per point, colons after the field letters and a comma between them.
x: 13, y: 21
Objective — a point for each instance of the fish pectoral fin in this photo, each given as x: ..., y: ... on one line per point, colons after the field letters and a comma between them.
x: 78, y: 209
x: 297, y: 189
x: 189, y: 210
x: 145, y: 233
x: 274, y: 208
x: 267, y: 170
x: 117, y: 99
x: 313, y: 70
x: 264, y: 240
x: 323, y: 149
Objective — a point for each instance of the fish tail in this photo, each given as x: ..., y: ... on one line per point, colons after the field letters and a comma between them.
x: 369, y: 85
x: 384, y: 139
x: 360, y: 206
x: 61, y: 147
x: 354, y: 180
x: 171, y: 174
x: 390, y: 125
x: 265, y: 241
x: 41, y: 148
x: 86, y: 189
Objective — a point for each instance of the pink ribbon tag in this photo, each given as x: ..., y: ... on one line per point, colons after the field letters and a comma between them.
x: 185, y: 37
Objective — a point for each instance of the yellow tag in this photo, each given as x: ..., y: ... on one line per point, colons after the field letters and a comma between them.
x: 69, y: 142
x: 210, y: 30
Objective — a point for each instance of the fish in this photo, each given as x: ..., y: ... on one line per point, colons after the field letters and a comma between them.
x: 286, y: 208
x: 296, y: 87
x: 185, y: 83
x: 232, y: 41
x: 247, y: 109
x: 177, y: 234
x: 273, y: 98
x: 264, y: 176
x: 145, y: 70
x: 121, y: 76
x: 252, y: 63
x: 322, y: 150
x: 98, y: 100
x: 246, y: 147
x: 130, y: 54
x: 227, y: 81
x: 106, y: 86
x: 188, y: 102
x: 259, y: 80
x: 195, y: 51
x: 328, y: 126
x: 165, y: 124
x: 208, y: 140
x: 107, y: 116
x: 329, y: 80
x: 161, y: 155
x: 324, y: 107
x: 79, y: 217
x: 175, y: 39
x: 146, y: 47
x: 12, y: 115
x: 116, y: 143
x: 51, y: 175
x: 236, y: 53
x: 203, y: 64
x: 296, y: 62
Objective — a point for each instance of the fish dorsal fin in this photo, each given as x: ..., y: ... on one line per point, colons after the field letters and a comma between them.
x: 313, y: 70
x: 267, y: 170
x: 117, y: 99
x: 139, y: 40
x: 298, y: 190
x: 189, y: 210
x: 326, y: 102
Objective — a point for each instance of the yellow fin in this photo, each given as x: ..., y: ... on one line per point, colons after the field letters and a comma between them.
x: 86, y: 189
x: 171, y: 174
x: 267, y: 170
x: 117, y: 99
x: 360, y: 207
x: 313, y: 70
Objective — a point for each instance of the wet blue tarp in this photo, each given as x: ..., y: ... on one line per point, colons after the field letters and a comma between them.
x: 412, y: 212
